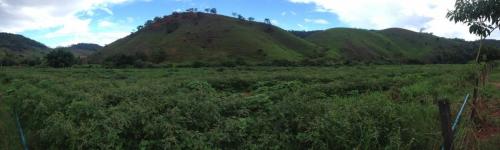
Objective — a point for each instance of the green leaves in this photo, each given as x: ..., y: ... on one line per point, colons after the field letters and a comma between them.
x: 482, y: 16
x: 376, y: 107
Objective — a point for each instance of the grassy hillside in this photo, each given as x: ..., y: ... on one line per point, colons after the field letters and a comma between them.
x: 188, y: 37
x: 15, y: 49
x: 391, y: 45
x: 84, y: 49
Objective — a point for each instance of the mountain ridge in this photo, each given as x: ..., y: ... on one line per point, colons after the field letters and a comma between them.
x: 211, y: 39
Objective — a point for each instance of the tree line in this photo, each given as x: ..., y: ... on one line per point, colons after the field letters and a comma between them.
x: 212, y: 11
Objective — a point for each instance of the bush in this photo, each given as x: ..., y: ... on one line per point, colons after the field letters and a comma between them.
x: 198, y: 64
x: 120, y: 61
x: 60, y: 58
x: 31, y: 61
x: 228, y: 64
x: 283, y: 63
x: 7, y: 62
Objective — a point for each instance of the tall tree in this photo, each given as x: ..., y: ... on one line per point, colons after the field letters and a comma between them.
x: 60, y: 58
x: 148, y: 23
x: 240, y: 17
x: 482, y: 17
x: 213, y: 11
x: 157, y: 19
x: 267, y: 21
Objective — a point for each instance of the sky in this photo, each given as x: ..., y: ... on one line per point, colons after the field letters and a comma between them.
x: 65, y: 22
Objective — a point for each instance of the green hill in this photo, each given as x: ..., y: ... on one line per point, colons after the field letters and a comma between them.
x: 210, y: 39
x: 189, y: 37
x: 84, y: 49
x: 15, y: 49
x: 392, y: 45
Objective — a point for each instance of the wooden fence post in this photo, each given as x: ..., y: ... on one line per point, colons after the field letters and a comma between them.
x: 475, y: 99
x: 445, y: 116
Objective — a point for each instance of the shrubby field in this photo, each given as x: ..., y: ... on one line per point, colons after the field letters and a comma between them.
x: 364, y: 107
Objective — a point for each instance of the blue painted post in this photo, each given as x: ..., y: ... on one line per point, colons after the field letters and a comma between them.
x: 459, y: 114
x: 21, y: 133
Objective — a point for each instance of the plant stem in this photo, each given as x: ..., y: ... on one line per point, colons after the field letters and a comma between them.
x: 479, y: 51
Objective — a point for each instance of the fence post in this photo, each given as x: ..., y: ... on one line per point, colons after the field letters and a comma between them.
x: 445, y: 116
x: 475, y: 99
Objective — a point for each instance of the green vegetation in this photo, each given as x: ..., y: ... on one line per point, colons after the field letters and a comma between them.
x: 9, y: 137
x: 364, y: 107
x: 481, y: 16
x: 391, y: 46
x: 19, y: 50
x: 60, y: 58
x: 196, y: 37
x: 84, y: 49
x: 183, y: 38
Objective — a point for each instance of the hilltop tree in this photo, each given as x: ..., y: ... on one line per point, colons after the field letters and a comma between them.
x: 240, y: 17
x: 482, y: 17
x: 139, y: 28
x: 267, y: 21
x: 234, y: 14
x: 60, y: 58
x: 213, y: 11
x: 157, y: 19
x: 207, y: 10
x: 148, y: 23
x: 192, y: 10
x: 251, y: 19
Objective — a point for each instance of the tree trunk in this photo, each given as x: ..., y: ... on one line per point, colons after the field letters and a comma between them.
x: 479, y: 51
x: 474, y: 113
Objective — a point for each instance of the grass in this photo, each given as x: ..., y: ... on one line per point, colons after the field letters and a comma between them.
x: 213, y: 38
x: 365, y: 107
x: 390, y: 45
x: 9, y: 137
x: 489, y: 134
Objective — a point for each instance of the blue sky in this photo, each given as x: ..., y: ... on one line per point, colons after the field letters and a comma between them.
x: 65, y: 22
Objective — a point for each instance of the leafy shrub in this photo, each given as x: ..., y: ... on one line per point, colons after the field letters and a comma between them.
x: 283, y: 63
x: 198, y: 64
x: 239, y: 108
x: 7, y: 62
x: 120, y: 61
x: 60, y: 58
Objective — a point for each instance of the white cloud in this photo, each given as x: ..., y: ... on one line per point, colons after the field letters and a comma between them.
x: 275, y: 22
x: 288, y: 13
x: 130, y: 19
x: 105, y: 24
x: 302, y: 27
x: 23, y: 15
x: 106, y: 33
x: 101, y: 38
x: 316, y: 21
x: 68, y: 18
x: 381, y: 14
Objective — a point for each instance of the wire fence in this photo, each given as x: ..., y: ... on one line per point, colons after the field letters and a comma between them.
x: 448, y: 130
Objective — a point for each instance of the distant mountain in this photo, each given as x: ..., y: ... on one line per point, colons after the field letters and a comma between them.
x: 392, y: 45
x: 303, y: 34
x: 199, y: 37
x: 16, y: 48
x: 84, y: 49
x: 19, y: 44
